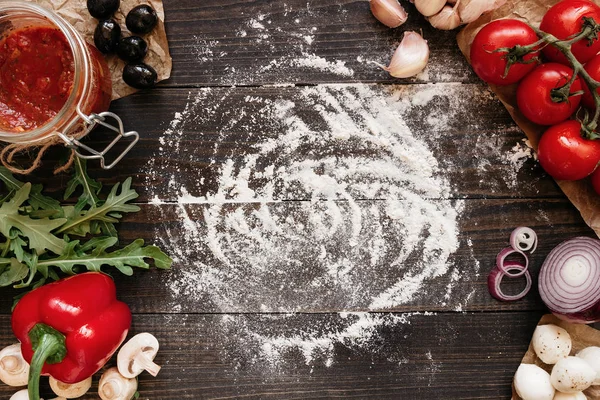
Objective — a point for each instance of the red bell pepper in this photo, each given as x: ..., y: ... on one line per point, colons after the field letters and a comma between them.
x: 70, y: 328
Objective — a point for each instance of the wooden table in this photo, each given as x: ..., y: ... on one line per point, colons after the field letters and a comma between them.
x: 236, y: 64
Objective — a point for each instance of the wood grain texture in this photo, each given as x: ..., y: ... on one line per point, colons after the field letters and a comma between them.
x: 249, y: 43
x: 233, y: 61
x: 203, y: 358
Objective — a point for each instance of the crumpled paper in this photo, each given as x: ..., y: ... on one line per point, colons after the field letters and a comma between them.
x: 580, y: 193
x: 76, y: 12
x: 582, y: 336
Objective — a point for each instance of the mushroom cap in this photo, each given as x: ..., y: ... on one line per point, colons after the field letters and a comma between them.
x: 24, y: 395
x: 114, y: 386
x: 570, y: 396
x: 572, y: 374
x: 551, y: 343
x: 592, y: 356
x: 18, y: 372
x: 533, y: 383
x: 20, y: 395
x: 142, y: 345
x: 70, y: 391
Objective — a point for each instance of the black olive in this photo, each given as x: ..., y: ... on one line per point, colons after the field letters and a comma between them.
x: 132, y: 49
x: 139, y: 76
x: 102, y: 9
x: 141, y: 19
x: 107, y: 35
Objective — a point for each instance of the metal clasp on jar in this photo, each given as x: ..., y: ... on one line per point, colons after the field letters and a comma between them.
x: 90, y: 122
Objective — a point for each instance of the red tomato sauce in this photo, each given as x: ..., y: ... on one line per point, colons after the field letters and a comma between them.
x: 36, y: 77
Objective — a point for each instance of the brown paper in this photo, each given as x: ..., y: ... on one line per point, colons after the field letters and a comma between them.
x: 75, y: 11
x: 580, y: 193
x: 582, y: 336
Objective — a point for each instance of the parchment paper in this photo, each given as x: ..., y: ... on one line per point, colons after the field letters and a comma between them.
x: 582, y: 336
x: 75, y: 11
x: 580, y: 193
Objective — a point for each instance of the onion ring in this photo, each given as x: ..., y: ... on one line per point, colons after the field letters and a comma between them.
x: 501, y: 262
x: 524, y: 239
x: 495, y: 280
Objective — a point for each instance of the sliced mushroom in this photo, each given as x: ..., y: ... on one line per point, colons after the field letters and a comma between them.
x: 14, y: 370
x: 114, y: 386
x: 137, y: 355
x: 70, y: 391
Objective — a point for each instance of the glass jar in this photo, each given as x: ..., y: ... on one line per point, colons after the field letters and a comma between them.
x: 90, y: 95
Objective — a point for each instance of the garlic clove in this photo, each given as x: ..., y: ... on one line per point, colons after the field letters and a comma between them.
x: 447, y: 19
x: 410, y: 57
x: 429, y: 7
x: 470, y: 10
x: 389, y: 12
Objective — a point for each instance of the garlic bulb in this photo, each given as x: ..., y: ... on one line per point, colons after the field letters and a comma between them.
x: 429, y: 7
x: 470, y: 10
x: 410, y: 57
x: 389, y: 12
x: 447, y: 19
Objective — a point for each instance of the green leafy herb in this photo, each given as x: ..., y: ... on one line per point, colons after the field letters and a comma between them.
x: 36, y: 231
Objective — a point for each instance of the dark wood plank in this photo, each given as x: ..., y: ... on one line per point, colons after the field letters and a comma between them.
x: 254, y: 271
x: 189, y: 137
x: 256, y: 42
x: 412, y: 356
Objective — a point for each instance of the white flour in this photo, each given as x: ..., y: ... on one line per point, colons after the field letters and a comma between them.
x: 242, y: 246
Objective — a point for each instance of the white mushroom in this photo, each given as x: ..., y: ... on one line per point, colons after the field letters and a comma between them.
x: 592, y: 356
x: 14, y: 370
x: 533, y: 383
x: 20, y: 395
x: 570, y: 396
x: 23, y: 395
x: 114, y: 386
x: 551, y: 343
x: 571, y: 375
x: 70, y: 391
x: 137, y: 355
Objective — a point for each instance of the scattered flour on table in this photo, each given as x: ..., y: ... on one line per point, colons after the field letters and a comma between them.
x: 241, y: 245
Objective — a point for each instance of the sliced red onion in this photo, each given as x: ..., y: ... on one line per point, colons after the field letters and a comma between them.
x: 495, y: 280
x: 524, y: 239
x: 502, y: 264
x: 569, y: 280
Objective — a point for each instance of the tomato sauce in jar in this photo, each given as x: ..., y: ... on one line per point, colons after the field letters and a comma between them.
x: 36, y: 78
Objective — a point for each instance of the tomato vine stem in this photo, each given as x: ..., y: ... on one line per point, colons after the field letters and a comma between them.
x: 589, y: 31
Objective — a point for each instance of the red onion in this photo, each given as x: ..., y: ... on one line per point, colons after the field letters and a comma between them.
x: 524, y: 239
x: 495, y: 280
x: 569, y: 280
x: 501, y: 262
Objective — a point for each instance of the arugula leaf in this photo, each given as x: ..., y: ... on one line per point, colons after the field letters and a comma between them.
x: 133, y: 255
x: 38, y: 231
x: 90, y: 187
x: 89, y: 197
x: 14, y: 273
x: 36, y: 199
x: 81, y: 222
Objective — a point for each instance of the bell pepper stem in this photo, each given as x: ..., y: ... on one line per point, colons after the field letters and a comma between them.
x: 49, y: 347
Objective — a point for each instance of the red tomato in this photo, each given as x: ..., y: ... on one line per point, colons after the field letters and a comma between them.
x: 593, y: 68
x: 503, y: 33
x: 564, y: 20
x: 565, y: 155
x: 596, y: 180
x: 534, y: 94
